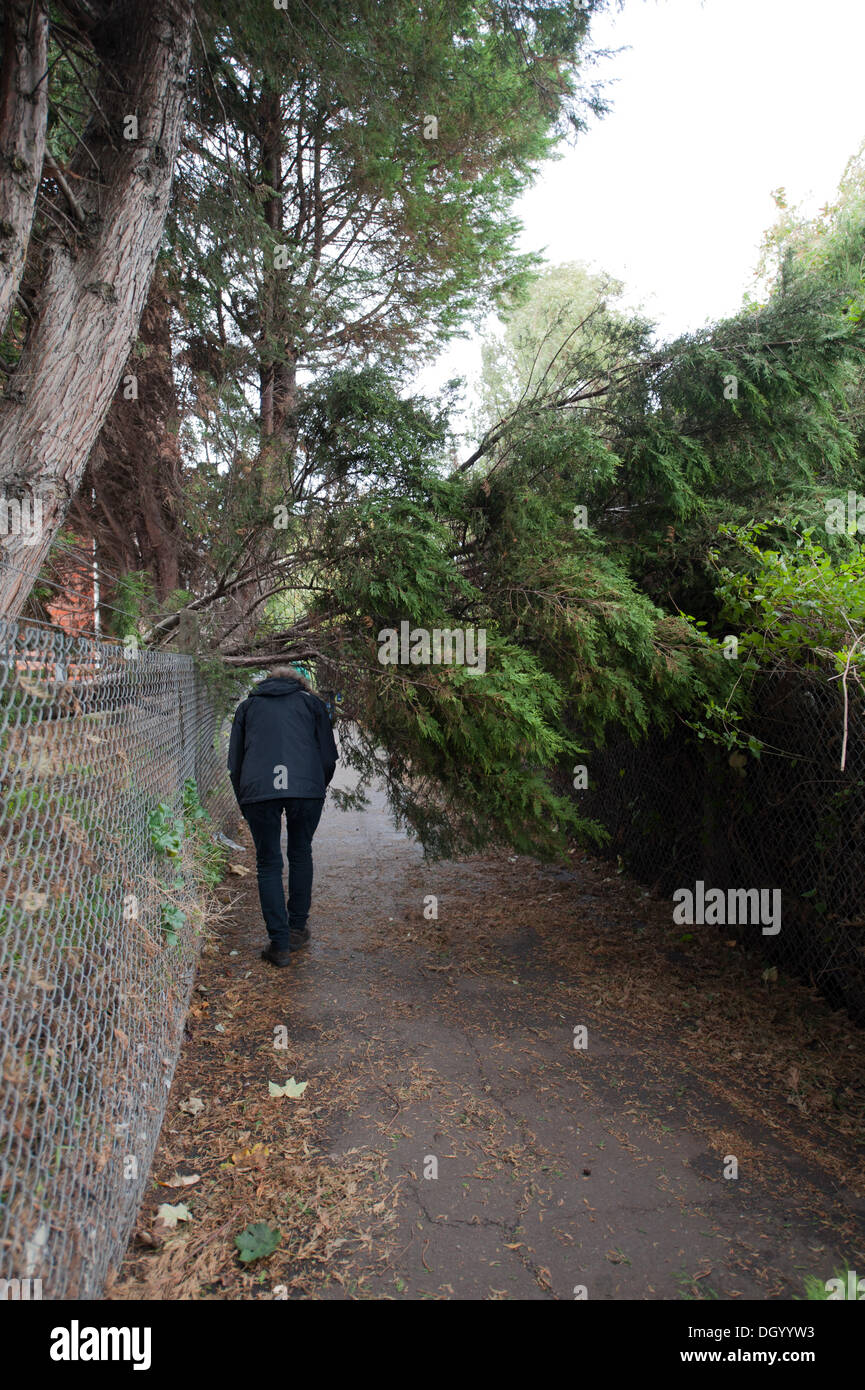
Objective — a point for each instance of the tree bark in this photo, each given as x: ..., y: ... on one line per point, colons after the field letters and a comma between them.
x: 94, y: 291
x: 23, y: 117
x: 135, y: 472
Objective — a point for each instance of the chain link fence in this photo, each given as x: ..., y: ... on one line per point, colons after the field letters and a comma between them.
x: 93, y: 995
x: 680, y: 811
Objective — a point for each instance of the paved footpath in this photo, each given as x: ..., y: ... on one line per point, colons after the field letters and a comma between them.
x: 453, y: 1142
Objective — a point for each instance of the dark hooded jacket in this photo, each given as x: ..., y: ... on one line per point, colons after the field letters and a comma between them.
x: 281, y: 744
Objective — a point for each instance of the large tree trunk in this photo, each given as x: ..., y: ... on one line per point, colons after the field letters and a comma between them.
x: 94, y: 292
x: 23, y: 116
x: 131, y: 491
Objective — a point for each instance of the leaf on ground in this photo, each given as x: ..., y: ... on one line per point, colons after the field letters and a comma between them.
x: 181, y: 1180
x: 193, y: 1106
x: 169, y: 1215
x: 256, y: 1157
x: 256, y: 1241
x: 291, y: 1088
x: 152, y: 1239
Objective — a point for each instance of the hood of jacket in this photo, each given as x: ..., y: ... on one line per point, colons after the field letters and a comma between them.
x: 276, y: 685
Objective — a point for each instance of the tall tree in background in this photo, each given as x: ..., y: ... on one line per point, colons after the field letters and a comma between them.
x: 567, y: 309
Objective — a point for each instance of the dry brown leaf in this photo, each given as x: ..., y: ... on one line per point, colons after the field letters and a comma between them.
x: 181, y: 1180
x: 254, y: 1157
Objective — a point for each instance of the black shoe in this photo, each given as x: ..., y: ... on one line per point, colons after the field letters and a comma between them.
x: 299, y: 939
x: 278, y: 958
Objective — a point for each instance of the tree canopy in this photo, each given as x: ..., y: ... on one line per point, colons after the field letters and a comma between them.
x: 262, y: 480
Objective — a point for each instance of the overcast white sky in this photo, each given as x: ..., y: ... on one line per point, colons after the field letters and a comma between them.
x: 714, y: 105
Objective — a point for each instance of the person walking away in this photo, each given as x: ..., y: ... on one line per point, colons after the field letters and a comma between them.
x: 281, y: 759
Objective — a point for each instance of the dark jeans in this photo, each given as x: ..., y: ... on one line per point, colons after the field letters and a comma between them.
x: 302, y: 814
